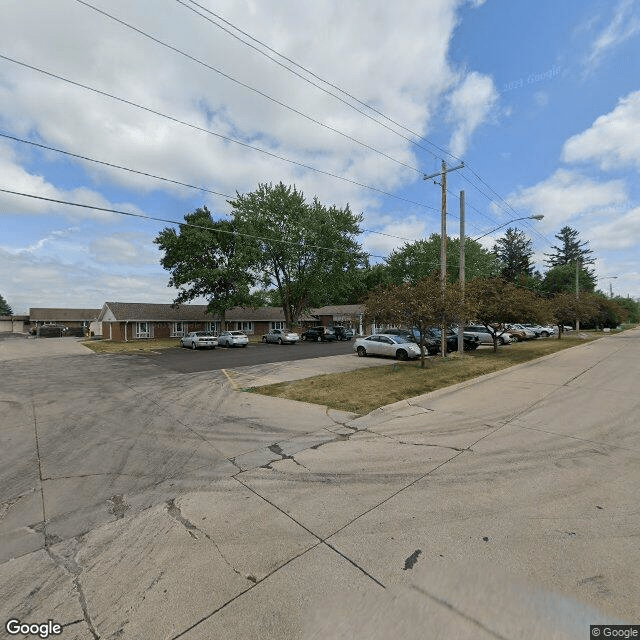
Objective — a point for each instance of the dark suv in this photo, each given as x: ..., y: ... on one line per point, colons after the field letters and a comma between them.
x: 318, y: 334
x: 343, y: 333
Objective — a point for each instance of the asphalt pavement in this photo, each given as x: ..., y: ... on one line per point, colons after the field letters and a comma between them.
x: 140, y: 502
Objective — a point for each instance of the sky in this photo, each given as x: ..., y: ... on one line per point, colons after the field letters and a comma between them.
x: 161, y: 108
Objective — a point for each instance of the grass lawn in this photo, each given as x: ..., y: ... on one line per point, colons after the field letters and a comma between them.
x: 107, y: 346
x: 364, y: 390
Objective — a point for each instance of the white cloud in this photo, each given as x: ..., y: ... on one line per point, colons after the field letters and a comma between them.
x: 567, y: 194
x: 619, y: 232
x: 623, y: 25
x: 471, y: 103
x: 612, y: 140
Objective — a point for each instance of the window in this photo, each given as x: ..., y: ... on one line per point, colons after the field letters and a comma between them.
x: 277, y: 324
x: 177, y: 329
x: 214, y: 327
x: 143, y: 329
x: 244, y: 325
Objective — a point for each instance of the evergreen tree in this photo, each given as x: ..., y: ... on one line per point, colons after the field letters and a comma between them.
x: 570, y: 251
x: 5, y: 309
x: 514, y: 252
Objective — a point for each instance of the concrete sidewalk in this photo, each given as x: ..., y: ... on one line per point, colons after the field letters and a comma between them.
x: 504, y: 507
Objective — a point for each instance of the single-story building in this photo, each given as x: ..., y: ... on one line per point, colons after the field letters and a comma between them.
x: 124, y: 321
x: 85, y: 319
x: 14, y: 324
x: 342, y: 315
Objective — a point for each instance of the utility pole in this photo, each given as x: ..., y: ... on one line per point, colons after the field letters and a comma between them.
x: 443, y: 242
x: 462, y: 275
x: 577, y: 289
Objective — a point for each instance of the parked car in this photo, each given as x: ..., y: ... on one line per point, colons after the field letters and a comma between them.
x: 281, y: 336
x: 517, y: 335
x: 386, y: 345
x: 199, y: 340
x: 483, y: 334
x: 319, y: 334
x: 343, y: 333
x: 232, y: 339
x: 528, y: 332
x: 541, y: 331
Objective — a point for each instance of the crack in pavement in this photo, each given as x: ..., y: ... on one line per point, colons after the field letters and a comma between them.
x: 176, y: 513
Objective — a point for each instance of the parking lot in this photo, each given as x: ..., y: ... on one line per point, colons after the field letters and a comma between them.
x: 142, y: 502
x: 189, y: 361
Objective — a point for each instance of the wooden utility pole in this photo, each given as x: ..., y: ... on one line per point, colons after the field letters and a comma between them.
x: 443, y: 243
x: 461, y: 275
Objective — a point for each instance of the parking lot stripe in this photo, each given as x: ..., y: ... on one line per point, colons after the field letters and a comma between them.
x: 232, y: 382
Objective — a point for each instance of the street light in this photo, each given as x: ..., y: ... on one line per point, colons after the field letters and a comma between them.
x: 536, y: 217
x: 610, y: 284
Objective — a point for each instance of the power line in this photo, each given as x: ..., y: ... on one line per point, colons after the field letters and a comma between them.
x: 213, y: 133
x: 346, y: 93
x: 188, y: 224
x: 248, y: 87
x: 151, y: 175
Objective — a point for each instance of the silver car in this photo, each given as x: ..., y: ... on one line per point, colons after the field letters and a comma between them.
x: 384, y: 344
x: 233, y: 339
x: 199, y: 340
x: 281, y: 336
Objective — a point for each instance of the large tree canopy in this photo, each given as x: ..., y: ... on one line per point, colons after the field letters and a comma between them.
x: 417, y: 260
x: 495, y: 301
x: 204, y: 260
x: 307, y: 251
x: 563, y: 278
x: 570, y: 250
x: 418, y: 305
x: 514, y: 252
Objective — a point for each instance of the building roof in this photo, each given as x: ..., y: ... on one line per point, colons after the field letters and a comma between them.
x: 63, y: 315
x: 339, y: 310
x: 145, y: 312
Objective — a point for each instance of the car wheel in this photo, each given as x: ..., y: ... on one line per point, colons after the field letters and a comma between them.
x: 515, y: 339
x: 244, y: 345
x: 362, y: 352
x: 501, y: 341
x: 264, y: 339
x: 303, y: 337
x: 544, y: 334
x: 401, y: 354
x: 280, y: 341
x: 193, y: 346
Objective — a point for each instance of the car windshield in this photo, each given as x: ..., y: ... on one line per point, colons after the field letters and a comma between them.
x: 236, y: 333
x: 401, y: 339
x: 203, y: 333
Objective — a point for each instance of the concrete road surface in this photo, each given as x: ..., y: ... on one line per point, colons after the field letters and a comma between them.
x: 140, y: 503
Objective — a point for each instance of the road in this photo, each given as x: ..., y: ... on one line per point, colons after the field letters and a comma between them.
x: 140, y: 502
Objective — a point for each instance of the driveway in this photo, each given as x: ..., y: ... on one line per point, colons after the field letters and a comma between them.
x: 141, y: 503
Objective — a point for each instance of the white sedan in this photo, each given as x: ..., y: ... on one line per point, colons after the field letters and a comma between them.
x: 281, y: 336
x: 233, y: 339
x: 199, y: 339
x: 386, y: 345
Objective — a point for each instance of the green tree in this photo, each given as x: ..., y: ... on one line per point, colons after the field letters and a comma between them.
x: 205, y: 261
x: 417, y: 260
x: 306, y: 251
x: 563, y: 278
x: 417, y: 305
x: 5, y: 309
x: 495, y: 301
x: 514, y: 252
x: 632, y: 307
x: 566, y: 308
x: 570, y: 251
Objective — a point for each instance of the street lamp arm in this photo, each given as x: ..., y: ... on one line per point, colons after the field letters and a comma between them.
x: 536, y: 217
